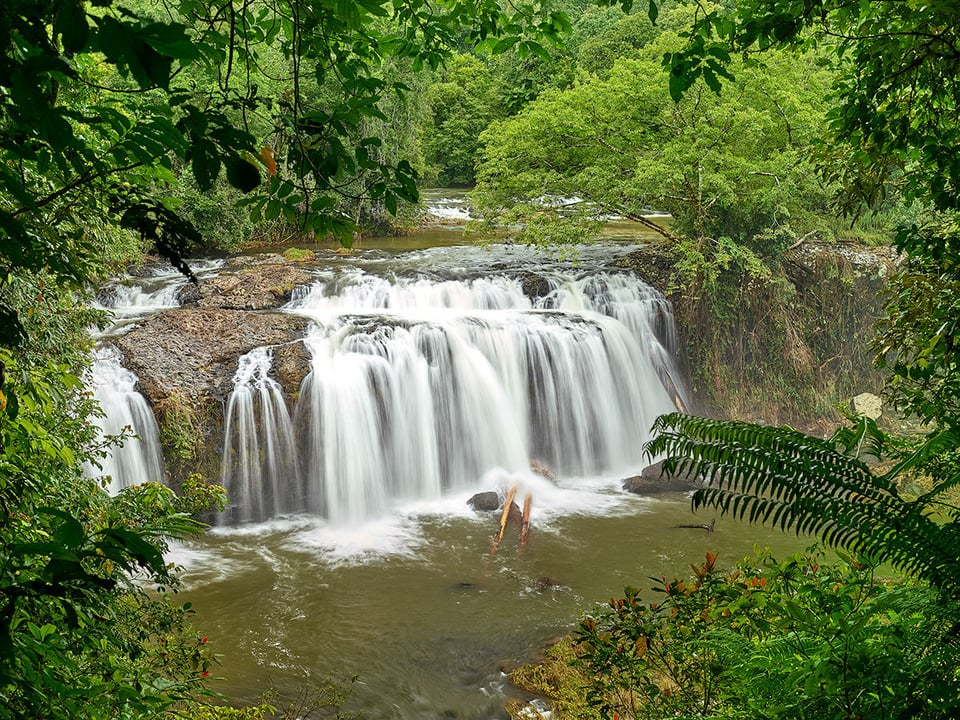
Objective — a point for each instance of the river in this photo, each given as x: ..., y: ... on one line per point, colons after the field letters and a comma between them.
x: 369, y: 568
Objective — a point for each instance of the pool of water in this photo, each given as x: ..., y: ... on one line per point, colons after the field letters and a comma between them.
x: 418, y: 609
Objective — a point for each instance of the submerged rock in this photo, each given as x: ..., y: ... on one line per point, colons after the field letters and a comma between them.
x: 484, y: 502
x: 654, y: 480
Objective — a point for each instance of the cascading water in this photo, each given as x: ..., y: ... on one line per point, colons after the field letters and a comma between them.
x: 125, y: 411
x: 259, y: 449
x: 421, y: 386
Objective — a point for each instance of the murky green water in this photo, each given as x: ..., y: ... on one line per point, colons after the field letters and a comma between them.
x: 417, y: 607
x: 414, y: 605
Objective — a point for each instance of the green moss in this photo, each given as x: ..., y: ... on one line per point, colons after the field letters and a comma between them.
x: 181, y: 427
x: 223, y: 712
x: 559, y: 680
x: 295, y: 254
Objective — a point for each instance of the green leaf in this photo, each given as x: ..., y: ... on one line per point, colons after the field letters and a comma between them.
x: 70, y: 22
x: 242, y: 174
x: 653, y: 11
x: 711, y: 80
x: 205, y: 162
x: 504, y: 44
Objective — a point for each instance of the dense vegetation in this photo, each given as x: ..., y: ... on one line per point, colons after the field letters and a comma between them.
x: 127, y: 126
x: 836, y: 644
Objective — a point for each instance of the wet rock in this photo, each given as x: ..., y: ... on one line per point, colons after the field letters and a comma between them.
x: 544, y: 583
x: 534, y: 286
x: 263, y: 286
x: 194, y: 351
x: 484, y: 502
x: 653, y: 480
x: 291, y: 363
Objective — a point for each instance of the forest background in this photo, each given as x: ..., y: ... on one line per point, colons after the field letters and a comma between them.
x: 131, y: 127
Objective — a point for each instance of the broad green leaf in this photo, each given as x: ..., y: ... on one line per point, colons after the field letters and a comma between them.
x: 242, y: 174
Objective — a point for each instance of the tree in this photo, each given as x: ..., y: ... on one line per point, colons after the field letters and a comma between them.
x: 894, y: 126
x: 726, y: 168
x: 102, y: 100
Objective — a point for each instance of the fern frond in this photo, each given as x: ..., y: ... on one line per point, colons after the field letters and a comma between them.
x: 783, y: 478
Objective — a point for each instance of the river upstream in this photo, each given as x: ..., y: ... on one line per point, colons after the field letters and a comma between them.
x: 350, y: 553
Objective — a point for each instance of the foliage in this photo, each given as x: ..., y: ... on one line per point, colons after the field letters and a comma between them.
x: 223, y: 712
x: 728, y: 166
x: 892, y: 126
x: 69, y: 553
x: 896, y: 89
x: 181, y: 431
x: 823, y: 487
x: 795, y: 639
x: 105, y: 103
x: 462, y: 103
x: 920, y: 333
x: 555, y: 676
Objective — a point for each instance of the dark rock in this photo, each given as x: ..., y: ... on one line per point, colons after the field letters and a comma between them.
x: 195, y: 351
x: 545, y: 582
x: 655, y: 263
x: 189, y: 294
x: 534, y: 286
x: 653, y: 480
x: 484, y: 502
x: 261, y: 287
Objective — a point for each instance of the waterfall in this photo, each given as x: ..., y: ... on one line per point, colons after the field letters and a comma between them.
x: 259, y: 466
x: 125, y: 410
x: 420, y: 386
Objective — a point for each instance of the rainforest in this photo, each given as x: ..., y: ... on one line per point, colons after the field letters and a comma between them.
x: 479, y: 359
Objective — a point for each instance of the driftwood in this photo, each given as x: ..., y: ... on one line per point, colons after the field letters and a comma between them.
x: 525, y: 522
x: 503, y: 519
x: 709, y: 528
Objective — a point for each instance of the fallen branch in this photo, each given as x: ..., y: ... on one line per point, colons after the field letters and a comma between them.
x: 525, y: 522
x: 709, y: 528
x: 503, y: 518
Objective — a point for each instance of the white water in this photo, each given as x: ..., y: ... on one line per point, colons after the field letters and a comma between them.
x: 125, y: 412
x: 259, y: 451
x: 420, y: 387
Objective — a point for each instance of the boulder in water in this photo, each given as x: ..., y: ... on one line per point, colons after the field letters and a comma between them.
x: 484, y: 502
x: 654, y: 480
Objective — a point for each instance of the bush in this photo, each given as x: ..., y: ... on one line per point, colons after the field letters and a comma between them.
x: 795, y: 639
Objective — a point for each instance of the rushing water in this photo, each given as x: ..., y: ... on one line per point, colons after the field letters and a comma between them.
x: 350, y: 551
x: 420, y: 386
x: 415, y: 605
x: 126, y: 413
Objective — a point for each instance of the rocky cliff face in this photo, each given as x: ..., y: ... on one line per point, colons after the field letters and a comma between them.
x: 185, y: 358
x: 782, y: 351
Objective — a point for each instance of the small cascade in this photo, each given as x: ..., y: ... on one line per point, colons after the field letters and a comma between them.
x: 125, y: 410
x: 132, y: 298
x: 259, y: 462
x: 420, y: 386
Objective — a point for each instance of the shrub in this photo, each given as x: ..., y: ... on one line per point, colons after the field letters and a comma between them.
x: 795, y: 639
